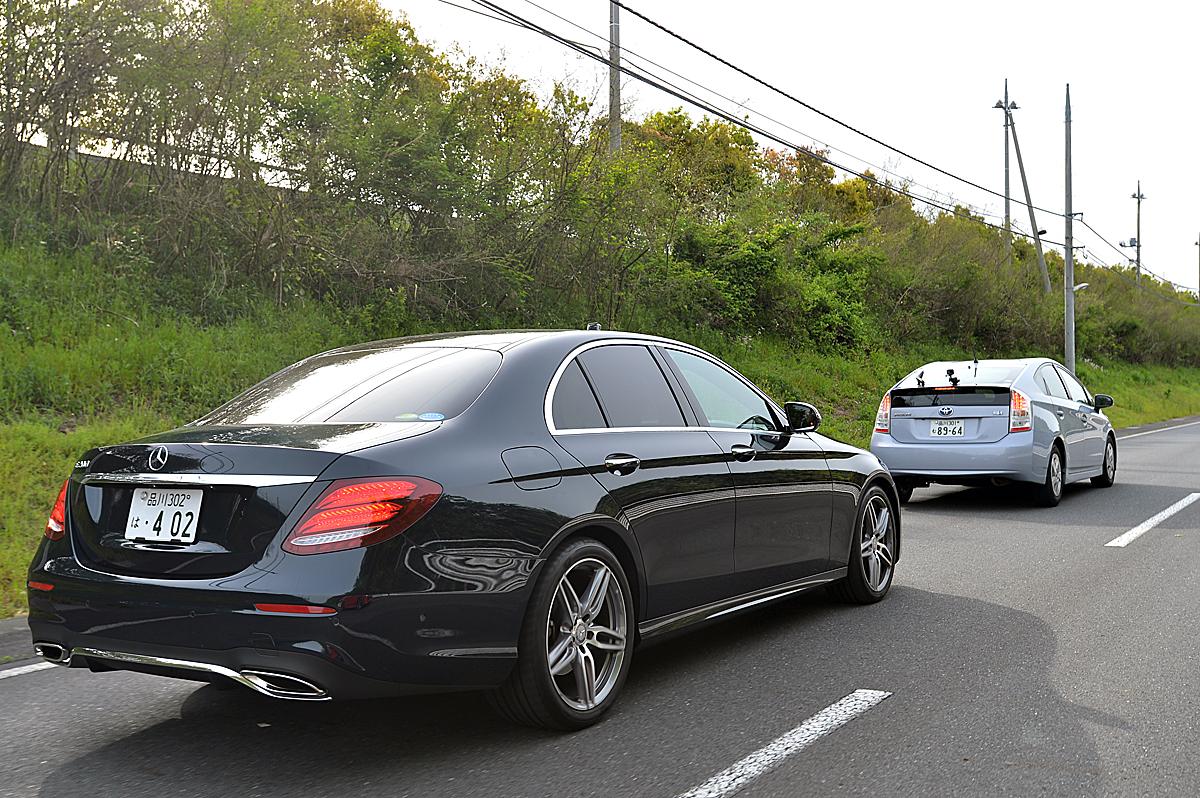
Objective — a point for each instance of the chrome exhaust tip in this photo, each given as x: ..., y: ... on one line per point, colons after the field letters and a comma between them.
x: 53, y: 652
x: 281, y: 685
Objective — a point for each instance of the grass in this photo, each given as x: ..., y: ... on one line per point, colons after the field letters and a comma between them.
x: 88, y: 356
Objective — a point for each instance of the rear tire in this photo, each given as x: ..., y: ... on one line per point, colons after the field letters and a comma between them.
x: 568, y: 674
x: 872, y: 563
x: 1109, y: 475
x: 1049, y: 493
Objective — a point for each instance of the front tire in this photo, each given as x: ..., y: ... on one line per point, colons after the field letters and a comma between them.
x: 576, y: 642
x: 1049, y: 493
x: 872, y: 551
x: 1109, y: 475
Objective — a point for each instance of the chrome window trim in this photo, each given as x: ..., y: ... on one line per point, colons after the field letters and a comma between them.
x: 548, y: 403
x: 244, y: 480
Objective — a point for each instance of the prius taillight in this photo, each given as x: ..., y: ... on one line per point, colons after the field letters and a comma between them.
x: 883, y: 418
x: 1020, y: 414
x: 360, y: 512
x: 56, y: 524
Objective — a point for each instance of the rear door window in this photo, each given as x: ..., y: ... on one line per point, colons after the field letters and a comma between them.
x: 631, y: 387
x: 1074, y: 387
x: 575, y: 405
x: 1048, y: 379
x: 725, y: 400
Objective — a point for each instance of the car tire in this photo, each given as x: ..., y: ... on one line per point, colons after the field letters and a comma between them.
x: 867, y: 582
x: 559, y: 645
x: 1109, y: 475
x: 1049, y: 493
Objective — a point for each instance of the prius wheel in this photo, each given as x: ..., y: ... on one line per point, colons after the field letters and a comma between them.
x: 1109, y: 475
x: 575, y: 645
x: 1049, y: 493
x: 873, y: 551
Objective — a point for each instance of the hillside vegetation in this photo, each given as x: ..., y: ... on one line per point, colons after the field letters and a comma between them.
x: 194, y: 195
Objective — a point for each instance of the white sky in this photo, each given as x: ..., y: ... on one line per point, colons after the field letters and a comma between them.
x: 924, y: 77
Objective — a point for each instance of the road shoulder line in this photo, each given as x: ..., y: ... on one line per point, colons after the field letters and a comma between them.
x: 1124, y: 540
x: 741, y: 773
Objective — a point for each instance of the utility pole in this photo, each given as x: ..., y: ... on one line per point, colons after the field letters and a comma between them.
x: 1006, y: 106
x: 614, y: 77
x: 1037, y: 235
x: 1198, y: 270
x: 1069, y: 259
x: 1139, y: 196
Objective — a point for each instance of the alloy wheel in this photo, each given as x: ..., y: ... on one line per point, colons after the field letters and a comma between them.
x: 586, y: 634
x: 878, y: 543
x: 1110, y: 460
x: 1056, y: 475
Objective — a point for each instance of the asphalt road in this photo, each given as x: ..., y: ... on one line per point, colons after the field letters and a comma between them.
x: 1022, y: 655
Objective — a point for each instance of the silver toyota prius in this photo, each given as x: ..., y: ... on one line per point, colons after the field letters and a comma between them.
x: 995, y: 421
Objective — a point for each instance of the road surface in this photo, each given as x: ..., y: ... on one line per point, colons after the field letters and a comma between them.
x: 1017, y: 654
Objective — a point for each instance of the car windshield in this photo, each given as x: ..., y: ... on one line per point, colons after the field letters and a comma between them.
x: 934, y: 375
x: 379, y: 385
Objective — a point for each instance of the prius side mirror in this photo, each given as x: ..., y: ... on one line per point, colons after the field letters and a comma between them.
x: 802, y: 417
x: 1103, y: 400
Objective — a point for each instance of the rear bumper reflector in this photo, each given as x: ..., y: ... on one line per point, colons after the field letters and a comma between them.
x: 295, y: 609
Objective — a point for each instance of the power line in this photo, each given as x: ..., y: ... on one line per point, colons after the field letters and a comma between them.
x: 816, y: 110
x: 639, y: 57
x: 728, y: 117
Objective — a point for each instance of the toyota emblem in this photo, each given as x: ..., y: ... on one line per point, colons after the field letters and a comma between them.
x: 158, y: 458
x: 946, y: 411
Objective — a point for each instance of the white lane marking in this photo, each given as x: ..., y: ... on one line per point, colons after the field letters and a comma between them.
x: 1155, y: 431
x: 1151, y: 522
x: 738, y: 775
x: 37, y: 666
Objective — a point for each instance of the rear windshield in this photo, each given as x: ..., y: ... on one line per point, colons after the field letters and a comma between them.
x: 406, y: 384
x: 960, y: 397
x: 935, y: 376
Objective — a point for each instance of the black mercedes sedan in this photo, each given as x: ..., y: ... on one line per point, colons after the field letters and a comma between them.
x: 509, y: 511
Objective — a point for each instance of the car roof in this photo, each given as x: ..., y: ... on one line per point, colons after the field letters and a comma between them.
x: 500, y: 340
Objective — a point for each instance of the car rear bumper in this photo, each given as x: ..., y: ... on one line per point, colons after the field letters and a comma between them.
x: 392, y: 645
x: 1012, y: 458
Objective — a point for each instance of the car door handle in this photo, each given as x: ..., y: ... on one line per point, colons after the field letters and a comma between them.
x: 621, y: 464
x: 742, y: 452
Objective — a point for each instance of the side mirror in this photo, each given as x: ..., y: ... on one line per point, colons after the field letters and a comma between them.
x: 1103, y: 400
x: 802, y: 417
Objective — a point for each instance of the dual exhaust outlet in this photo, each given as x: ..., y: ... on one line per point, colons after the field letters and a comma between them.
x: 269, y: 683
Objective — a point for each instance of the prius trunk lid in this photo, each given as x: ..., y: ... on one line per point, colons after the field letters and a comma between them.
x: 203, y: 502
x: 953, y: 415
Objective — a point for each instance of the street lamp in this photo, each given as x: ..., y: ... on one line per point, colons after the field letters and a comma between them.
x: 1081, y: 286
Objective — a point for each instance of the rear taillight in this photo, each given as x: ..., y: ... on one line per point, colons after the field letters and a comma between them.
x: 56, y: 525
x: 360, y: 512
x: 1020, y: 415
x: 883, y: 419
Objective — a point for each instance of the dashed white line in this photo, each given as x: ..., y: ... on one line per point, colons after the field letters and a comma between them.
x: 741, y: 773
x: 1156, y: 431
x: 1151, y: 522
x: 23, y: 669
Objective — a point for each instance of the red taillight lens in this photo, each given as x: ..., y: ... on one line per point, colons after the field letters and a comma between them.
x: 1020, y: 414
x: 883, y: 419
x: 56, y: 525
x: 295, y: 609
x: 360, y: 512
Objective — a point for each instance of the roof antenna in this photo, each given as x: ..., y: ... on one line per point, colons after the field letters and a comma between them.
x: 976, y: 363
x: 593, y: 326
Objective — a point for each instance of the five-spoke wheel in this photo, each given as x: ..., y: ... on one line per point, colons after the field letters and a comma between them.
x: 576, y: 642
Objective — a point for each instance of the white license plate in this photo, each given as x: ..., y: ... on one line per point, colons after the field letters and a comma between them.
x: 164, y: 515
x: 947, y: 428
